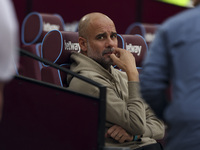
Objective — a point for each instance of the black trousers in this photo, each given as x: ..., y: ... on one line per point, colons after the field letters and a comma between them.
x: 156, y: 146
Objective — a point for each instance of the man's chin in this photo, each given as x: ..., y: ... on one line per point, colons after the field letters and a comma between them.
x: 107, y: 64
x: 109, y: 61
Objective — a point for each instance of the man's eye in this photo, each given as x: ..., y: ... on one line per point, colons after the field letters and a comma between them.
x: 114, y: 36
x: 100, y: 37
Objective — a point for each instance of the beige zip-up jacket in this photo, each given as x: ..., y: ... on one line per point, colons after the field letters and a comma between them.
x: 124, y: 105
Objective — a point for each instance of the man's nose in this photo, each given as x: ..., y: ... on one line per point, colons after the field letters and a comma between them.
x: 110, y: 42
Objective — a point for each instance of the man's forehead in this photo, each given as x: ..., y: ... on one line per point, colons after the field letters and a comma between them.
x: 100, y: 26
x: 103, y: 32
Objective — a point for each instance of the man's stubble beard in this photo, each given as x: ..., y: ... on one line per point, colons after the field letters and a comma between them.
x: 101, y: 60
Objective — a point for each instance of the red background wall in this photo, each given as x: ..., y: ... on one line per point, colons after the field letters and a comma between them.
x: 122, y: 12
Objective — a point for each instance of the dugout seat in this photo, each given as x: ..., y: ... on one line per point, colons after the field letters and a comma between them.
x: 136, y: 44
x: 57, y: 47
x: 34, y: 27
x: 145, y: 30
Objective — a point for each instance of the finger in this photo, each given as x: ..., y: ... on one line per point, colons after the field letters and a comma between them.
x: 130, y: 138
x: 114, y: 57
x: 111, y: 130
x: 122, y: 133
x: 118, y: 52
x: 122, y: 139
x: 118, y: 137
x: 116, y: 130
x: 118, y: 133
x: 126, y: 136
x: 117, y: 49
x: 114, y: 134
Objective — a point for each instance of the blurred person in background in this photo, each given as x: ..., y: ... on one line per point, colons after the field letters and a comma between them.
x: 196, y: 2
x: 173, y: 63
x: 8, y: 45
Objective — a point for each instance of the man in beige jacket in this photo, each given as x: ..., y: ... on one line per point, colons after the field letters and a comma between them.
x: 129, y: 120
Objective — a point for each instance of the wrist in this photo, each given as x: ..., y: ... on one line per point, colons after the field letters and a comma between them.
x: 133, y: 76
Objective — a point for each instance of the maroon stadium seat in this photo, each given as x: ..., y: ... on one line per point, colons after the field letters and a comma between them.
x: 136, y: 44
x: 143, y: 29
x: 57, y: 47
x: 34, y: 28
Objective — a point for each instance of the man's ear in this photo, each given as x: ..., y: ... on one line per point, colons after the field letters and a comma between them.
x: 83, y: 44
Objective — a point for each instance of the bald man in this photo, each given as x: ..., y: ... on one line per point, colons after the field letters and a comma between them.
x: 129, y: 120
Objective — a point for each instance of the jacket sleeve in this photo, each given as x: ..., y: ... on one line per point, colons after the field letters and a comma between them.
x: 130, y: 114
x: 134, y: 115
x: 155, y: 127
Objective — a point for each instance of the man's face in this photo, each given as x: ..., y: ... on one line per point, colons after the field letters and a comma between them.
x: 102, y: 38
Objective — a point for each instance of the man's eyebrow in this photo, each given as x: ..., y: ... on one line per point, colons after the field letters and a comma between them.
x: 104, y: 34
x: 113, y: 32
x: 101, y: 34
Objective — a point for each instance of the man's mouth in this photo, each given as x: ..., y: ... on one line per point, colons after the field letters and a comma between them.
x: 108, y: 51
